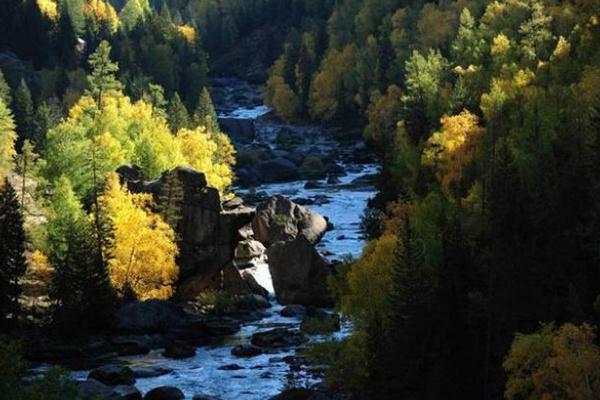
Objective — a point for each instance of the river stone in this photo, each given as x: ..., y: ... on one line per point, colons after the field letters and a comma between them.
x: 277, y: 170
x: 150, y: 316
x: 240, y: 130
x: 113, y: 375
x: 299, y: 273
x: 91, y: 389
x: 280, y: 219
x: 278, y: 338
x: 150, y: 372
x: 248, y: 250
x: 254, y: 286
x: 164, y: 393
x: 125, y: 392
x: 178, y: 349
x: 293, y: 311
x: 131, y: 348
x: 246, y: 350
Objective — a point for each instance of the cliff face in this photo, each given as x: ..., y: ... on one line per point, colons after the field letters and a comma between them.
x: 208, y: 234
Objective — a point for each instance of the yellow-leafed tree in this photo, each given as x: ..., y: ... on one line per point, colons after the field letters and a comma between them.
x: 142, y: 249
x: 454, y: 146
x: 211, y: 153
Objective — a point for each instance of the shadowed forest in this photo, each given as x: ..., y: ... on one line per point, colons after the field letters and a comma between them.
x: 367, y: 199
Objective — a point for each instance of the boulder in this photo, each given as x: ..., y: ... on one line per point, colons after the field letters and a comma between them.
x: 125, y: 392
x: 312, y: 168
x: 204, y: 397
x: 280, y: 219
x: 150, y: 316
x: 277, y: 170
x: 113, y: 375
x: 293, y: 311
x: 150, y: 372
x: 209, y: 234
x: 247, y: 251
x: 230, y: 367
x: 164, y: 393
x: 240, y: 130
x: 254, y: 286
x: 91, y: 389
x: 299, y: 273
x: 131, y: 348
x: 246, y: 350
x: 278, y: 338
x: 253, y: 302
x: 177, y: 349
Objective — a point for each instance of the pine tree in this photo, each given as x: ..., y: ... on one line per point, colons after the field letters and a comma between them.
x: 408, y: 329
x: 12, y: 249
x: 4, y: 90
x: 25, y: 163
x: 178, y: 114
x: 205, y: 113
x: 101, y: 80
x: 23, y: 109
x: 41, y: 124
x: 103, y: 76
x: 81, y: 285
x: 170, y: 199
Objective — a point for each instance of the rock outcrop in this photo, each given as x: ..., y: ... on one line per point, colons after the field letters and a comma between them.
x: 240, y: 130
x: 280, y: 219
x: 208, y: 234
x: 299, y: 273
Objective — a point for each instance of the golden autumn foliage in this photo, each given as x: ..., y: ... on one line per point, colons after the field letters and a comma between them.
x: 49, y: 8
x: 211, y: 153
x: 454, y: 146
x: 142, y: 247
x: 102, y: 12
x: 554, y: 363
x: 188, y: 32
x: 39, y: 267
x: 132, y: 132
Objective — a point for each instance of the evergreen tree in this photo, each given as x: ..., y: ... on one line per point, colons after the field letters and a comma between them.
x: 25, y: 163
x: 80, y: 285
x: 66, y: 40
x: 41, y: 124
x: 178, y: 114
x: 103, y: 76
x: 170, y: 199
x: 23, y: 109
x: 12, y: 249
x: 4, y: 90
x: 205, y: 113
x: 402, y: 369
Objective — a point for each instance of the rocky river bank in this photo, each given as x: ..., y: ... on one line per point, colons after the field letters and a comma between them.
x: 264, y: 256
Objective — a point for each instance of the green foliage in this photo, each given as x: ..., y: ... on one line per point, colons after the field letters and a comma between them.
x: 102, y: 78
x: 179, y: 117
x: 205, y: 113
x: 5, y: 94
x: 12, y: 368
x: 80, y: 285
x: 12, y: 252
x: 23, y: 108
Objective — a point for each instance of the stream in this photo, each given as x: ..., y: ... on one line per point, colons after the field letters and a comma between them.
x: 214, y: 371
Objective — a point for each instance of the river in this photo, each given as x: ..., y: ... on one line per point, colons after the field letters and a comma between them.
x: 214, y: 371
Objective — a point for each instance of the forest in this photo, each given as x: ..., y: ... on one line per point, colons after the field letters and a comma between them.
x: 477, y: 272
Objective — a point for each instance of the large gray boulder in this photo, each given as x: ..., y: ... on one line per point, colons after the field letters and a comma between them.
x: 91, y: 389
x: 280, y: 219
x: 240, y: 130
x: 164, y: 393
x: 277, y: 170
x: 150, y: 316
x: 113, y: 375
x: 299, y: 273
